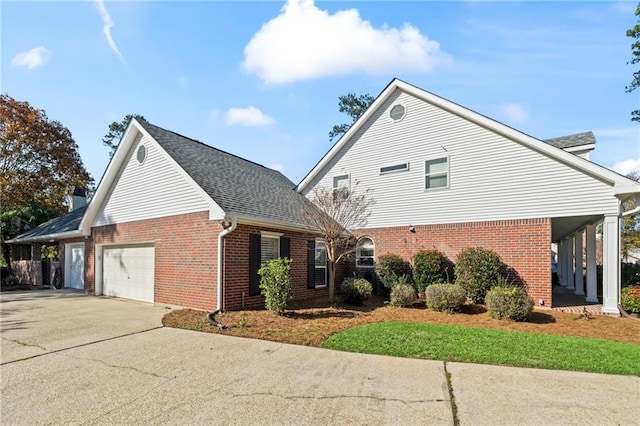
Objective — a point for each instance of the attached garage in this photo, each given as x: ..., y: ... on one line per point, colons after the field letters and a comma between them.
x: 128, y: 272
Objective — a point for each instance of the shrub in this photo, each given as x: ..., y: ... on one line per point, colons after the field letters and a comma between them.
x: 402, y: 295
x: 389, y: 265
x: 630, y: 274
x: 511, y: 303
x: 630, y: 299
x: 429, y: 266
x: 11, y: 281
x: 275, y: 283
x: 477, y: 271
x: 356, y: 291
x: 444, y: 297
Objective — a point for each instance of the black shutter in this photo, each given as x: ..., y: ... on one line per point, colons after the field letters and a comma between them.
x: 254, y: 264
x: 311, y: 264
x: 285, y: 245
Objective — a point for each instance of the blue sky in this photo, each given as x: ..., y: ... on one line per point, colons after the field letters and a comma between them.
x: 261, y: 79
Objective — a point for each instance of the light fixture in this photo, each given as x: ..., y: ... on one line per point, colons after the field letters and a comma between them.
x: 412, y: 229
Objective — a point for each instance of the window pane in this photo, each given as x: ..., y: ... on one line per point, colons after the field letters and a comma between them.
x: 341, y: 182
x: 269, y: 248
x: 321, y: 255
x: 436, y: 182
x: 436, y: 166
x: 320, y: 276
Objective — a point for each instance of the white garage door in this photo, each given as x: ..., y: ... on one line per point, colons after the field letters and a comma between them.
x: 128, y: 272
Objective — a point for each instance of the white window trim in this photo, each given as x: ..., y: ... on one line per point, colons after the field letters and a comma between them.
x: 326, y: 269
x: 271, y: 234
x: 448, y: 174
x: 403, y: 115
x: 395, y: 171
x: 367, y: 257
x: 333, y: 180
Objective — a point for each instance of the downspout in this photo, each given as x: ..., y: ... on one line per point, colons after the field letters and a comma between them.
x: 226, y: 231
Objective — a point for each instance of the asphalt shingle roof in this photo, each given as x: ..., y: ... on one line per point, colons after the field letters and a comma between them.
x: 571, y: 141
x: 64, y: 223
x: 238, y: 186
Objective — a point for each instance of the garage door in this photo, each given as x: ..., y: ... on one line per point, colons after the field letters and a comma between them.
x: 128, y: 272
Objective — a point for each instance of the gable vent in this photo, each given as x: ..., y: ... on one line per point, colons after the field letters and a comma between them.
x: 397, y: 112
x: 141, y: 155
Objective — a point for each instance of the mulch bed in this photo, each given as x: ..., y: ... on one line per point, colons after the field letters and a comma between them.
x: 312, y: 323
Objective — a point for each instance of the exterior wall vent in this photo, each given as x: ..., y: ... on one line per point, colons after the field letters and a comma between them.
x: 141, y: 155
x: 397, y: 112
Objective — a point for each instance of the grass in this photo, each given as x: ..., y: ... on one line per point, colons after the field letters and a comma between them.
x: 488, y: 346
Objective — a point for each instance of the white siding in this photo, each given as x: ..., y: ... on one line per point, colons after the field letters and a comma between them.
x: 155, y: 188
x: 491, y: 177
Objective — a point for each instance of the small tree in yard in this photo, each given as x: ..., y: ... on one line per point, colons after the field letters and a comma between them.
x: 332, y: 215
x: 275, y: 283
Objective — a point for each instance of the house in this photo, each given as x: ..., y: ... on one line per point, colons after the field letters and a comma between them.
x: 178, y: 222
x: 446, y: 177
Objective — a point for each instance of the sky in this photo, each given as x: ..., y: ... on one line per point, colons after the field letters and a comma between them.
x: 261, y: 80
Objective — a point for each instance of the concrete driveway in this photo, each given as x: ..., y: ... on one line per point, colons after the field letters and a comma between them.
x: 71, y: 358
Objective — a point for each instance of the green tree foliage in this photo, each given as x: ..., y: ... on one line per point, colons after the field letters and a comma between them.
x: 354, y: 105
x: 275, y: 283
x: 630, y: 233
x: 116, y: 130
x: 39, y: 160
x: 634, y: 33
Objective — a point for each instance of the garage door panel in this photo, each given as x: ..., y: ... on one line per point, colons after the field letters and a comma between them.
x: 128, y: 272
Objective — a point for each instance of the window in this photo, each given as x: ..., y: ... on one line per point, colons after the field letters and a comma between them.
x: 395, y: 168
x: 21, y: 252
x: 397, y: 112
x: 141, y: 155
x: 341, y: 182
x: 320, y: 264
x: 269, y: 248
x: 437, y: 173
x: 365, y: 252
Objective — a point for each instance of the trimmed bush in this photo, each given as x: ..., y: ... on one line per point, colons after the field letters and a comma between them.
x: 444, y: 297
x: 402, y: 295
x: 356, y: 291
x: 477, y: 271
x: 511, y: 303
x: 630, y: 299
x: 429, y: 266
x: 275, y: 283
x: 630, y: 274
x: 390, y: 265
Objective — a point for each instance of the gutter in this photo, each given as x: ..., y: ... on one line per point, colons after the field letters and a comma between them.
x: 57, y: 236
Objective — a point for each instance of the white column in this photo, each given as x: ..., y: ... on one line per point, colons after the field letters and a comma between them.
x: 592, y: 283
x: 560, y: 262
x: 579, y: 280
x: 610, y: 264
x: 570, y: 276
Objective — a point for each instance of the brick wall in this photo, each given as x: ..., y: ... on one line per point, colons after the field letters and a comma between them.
x: 237, y: 268
x: 185, y: 256
x: 524, y: 245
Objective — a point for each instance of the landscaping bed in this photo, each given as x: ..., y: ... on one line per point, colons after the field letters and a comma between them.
x: 312, y: 323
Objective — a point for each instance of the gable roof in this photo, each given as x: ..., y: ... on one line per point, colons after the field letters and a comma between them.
x: 241, y: 188
x: 622, y: 186
x: 585, y: 139
x: 65, y: 226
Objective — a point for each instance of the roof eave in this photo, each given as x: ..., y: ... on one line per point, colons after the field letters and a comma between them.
x: 77, y: 233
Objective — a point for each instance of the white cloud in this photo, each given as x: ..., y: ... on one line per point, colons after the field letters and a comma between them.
x: 277, y: 166
x: 32, y: 58
x: 250, y: 116
x: 108, y: 24
x: 626, y: 166
x: 515, y: 113
x: 305, y: 42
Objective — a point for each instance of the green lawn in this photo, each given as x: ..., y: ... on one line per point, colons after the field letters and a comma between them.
x: 487, y: 346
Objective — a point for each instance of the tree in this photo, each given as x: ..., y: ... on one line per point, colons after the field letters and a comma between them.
x: 332, y: 215
x: 39, y: 160
x: 116, y: 130
x: 634, y: 33
x: 354, y: 105
x: 630, y: 233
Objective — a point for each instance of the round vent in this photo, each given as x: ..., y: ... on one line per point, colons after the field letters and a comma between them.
x: 142, y: 154
x: 397, y: 112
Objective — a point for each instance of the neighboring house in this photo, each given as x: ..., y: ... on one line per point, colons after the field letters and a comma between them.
x: 175, y: 221
x: 446, y: 177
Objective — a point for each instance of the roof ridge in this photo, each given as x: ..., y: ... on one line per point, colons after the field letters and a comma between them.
x: 209, y: 146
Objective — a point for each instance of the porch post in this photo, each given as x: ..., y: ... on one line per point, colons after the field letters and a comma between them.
x: 611, y: 264
x: 579, y: 280
x: 592, y: 284
x: 560, y: 262
x: 570, y: 252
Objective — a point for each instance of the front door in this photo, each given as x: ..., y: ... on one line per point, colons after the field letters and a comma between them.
x: 74, y: 266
